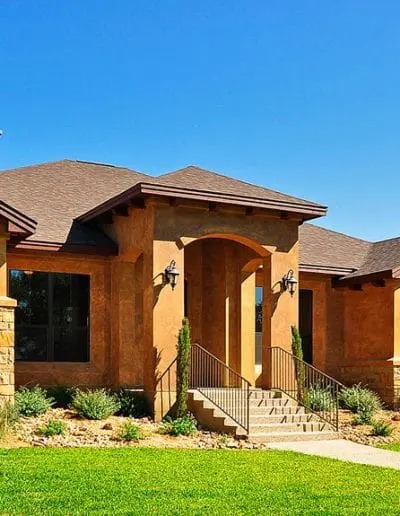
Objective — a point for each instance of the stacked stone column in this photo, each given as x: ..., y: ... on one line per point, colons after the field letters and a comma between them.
x: 7, y: 307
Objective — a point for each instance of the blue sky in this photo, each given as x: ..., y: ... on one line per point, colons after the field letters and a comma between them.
x: 302, y: 97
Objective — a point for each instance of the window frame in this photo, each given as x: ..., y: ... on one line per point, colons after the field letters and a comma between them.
x: 51, y: 327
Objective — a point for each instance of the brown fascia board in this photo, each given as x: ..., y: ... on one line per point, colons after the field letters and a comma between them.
x: 309, y: 211
x: 92, y: 249
x: 366, y: 278
x: 325, y: 269
x: 20, y: 222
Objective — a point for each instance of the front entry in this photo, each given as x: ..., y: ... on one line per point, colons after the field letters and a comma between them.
x: 306, y: 323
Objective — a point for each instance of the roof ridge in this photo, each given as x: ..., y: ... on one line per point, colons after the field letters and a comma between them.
x: 243, y: 182
x: 386, y: 240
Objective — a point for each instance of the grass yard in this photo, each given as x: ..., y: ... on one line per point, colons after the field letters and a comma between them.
x: 160, y: 481
x: 391, y: 446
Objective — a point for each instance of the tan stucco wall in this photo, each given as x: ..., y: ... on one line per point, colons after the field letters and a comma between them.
x: 97, y: 371
x: 356, y: 333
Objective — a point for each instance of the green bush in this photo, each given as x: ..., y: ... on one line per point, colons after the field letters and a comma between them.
x: 382, y: 428
x: 32, y: 402
x: 182, y: 369
x: 363, y: 417
x: 360, y: 399
x: 61, y: 394
x: 133, y: 404
x: 297, y: 351
x: 53, y: 427
x: 180, y: 426
x: 130, y: 432
x: 9, y: 415
x: 318, y: 399
x: 96, y: 404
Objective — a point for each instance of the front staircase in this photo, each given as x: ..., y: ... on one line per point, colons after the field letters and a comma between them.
x: 273, y: 416
x: 223, y: 400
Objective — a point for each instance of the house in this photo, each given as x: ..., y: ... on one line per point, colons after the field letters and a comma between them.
x: 104, y: 262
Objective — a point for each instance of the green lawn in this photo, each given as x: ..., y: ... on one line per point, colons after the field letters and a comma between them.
x: 392, y: 446
x: 143, y: 481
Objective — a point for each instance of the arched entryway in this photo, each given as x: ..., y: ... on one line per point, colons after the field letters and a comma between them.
x: 220, y: 284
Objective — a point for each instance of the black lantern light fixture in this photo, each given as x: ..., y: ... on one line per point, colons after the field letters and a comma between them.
x: 171, y: 274
x: 289, y: 282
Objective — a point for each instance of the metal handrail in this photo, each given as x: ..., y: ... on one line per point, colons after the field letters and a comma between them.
x: 219, y: 383
x: 310, y: 387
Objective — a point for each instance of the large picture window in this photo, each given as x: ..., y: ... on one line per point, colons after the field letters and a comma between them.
x: 52, y: 316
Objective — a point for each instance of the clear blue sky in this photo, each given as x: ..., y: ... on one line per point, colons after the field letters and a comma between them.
x: 299, y: 96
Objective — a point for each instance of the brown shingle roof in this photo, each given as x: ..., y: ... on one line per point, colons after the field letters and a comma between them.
x: 205, y: 180
x: 322, y: 250
x: 326, y: 249
x: 57, y: 192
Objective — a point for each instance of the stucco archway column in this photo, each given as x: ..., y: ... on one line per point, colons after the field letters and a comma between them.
x: 7, y: 307
x: 167, y: 315
x: 280, y: 311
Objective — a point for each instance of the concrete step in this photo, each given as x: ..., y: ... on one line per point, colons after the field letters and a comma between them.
x: 292, y: 436
x: 259, y: 394
x: 281, y: 418
x: 273, y: 402
x: 266, y: 428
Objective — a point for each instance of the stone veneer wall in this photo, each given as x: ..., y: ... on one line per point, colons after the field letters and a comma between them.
x: 7, y: 307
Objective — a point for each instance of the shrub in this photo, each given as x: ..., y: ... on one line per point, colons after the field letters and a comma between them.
x: 130, y: 432
x: 8, y: 417
x: 318, y: 399
x: 297, y: 350
x: 61, y: 394
x: 182, y: 369
x: 97, y: 404
x: 133, y: 404
x: 179, y: 426
x: 32, y: 402
x: 53, y: 427
x: 359, y: 399
x: 363, y: 417
x: 382, y: 428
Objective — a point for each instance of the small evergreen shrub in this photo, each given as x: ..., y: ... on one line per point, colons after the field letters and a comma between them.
x: 61, y: 394
x: 133, y: 404
x: 182, y: 369
x: 297, y: 351
x: 360, y: 399
x: 318, y: 399
x: 32, y: 402
x: 95, y: 404
x: 130, y: 432
x: 179, y: 426
x: 382, y: 428
x: 363, y: 417
x: 53, y: 427
x: 9, y: 415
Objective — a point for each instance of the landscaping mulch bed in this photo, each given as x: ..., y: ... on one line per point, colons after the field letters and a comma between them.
x: 363, y: 433
x: 105, y: 433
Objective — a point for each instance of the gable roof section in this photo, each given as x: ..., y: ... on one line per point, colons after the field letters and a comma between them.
x: 18, y: 222
x: 199, y: 184
x: 352, y: 259
x: 55, y: 193
x: 323, y: 250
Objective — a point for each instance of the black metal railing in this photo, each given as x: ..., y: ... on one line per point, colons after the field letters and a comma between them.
x: 310, y: 387
x: 166, y: 386
x: 226, y: 388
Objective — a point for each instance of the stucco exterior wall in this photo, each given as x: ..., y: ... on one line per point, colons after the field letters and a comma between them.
x: 97, y: 370
x: 356, y: 333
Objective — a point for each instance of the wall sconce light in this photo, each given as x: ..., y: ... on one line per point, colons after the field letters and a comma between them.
x: 289, y: 282
x: 171, y: 274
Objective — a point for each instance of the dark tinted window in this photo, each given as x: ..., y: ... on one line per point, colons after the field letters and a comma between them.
x: 52, y: 316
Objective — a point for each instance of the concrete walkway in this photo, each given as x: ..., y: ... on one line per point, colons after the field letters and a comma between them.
x: 344, y: 450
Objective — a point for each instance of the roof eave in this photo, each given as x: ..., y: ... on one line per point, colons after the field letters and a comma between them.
x: 308, y: 211
x: 18, y: 221
x: 325, y: 269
